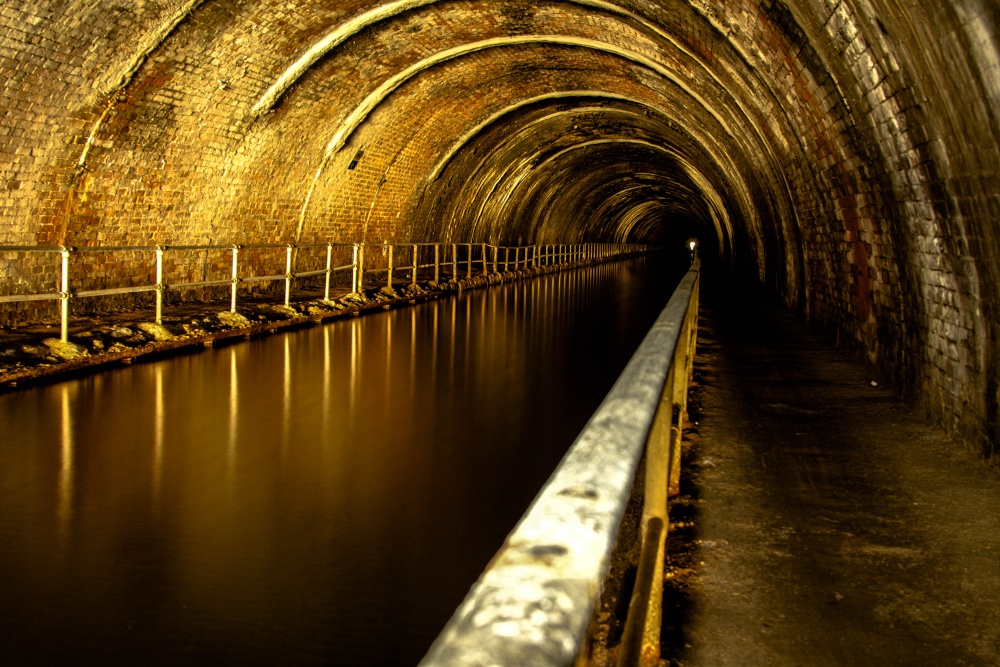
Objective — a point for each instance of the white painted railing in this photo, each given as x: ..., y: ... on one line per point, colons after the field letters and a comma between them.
x: 446, y: 260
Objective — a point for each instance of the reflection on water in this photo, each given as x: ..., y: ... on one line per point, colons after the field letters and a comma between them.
x: 319, y: 497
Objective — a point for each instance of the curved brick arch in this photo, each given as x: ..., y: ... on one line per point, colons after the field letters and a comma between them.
x: 354, y: 26
x: 379, y: 95
x: 360, y: 113
x: 720, y: 218
x: 857, y: 166
x: 373, y: 18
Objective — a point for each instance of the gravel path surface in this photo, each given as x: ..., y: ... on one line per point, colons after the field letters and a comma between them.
x: 821, y: 522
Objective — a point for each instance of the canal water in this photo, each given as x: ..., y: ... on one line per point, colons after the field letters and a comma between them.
x: 318, y: 497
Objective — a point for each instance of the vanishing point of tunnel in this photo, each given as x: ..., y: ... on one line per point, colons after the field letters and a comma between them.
x: 842, y: 154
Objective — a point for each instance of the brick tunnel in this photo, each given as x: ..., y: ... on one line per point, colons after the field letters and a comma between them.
x: 842, y: 153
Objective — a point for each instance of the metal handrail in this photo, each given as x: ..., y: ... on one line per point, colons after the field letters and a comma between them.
x: 534, y: 603
x: 357, y: 267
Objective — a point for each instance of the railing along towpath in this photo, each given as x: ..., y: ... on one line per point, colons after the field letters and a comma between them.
x: 301, y: 262
x: 535, y: 602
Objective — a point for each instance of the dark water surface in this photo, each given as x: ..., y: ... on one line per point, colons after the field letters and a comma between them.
x: 325, y: 496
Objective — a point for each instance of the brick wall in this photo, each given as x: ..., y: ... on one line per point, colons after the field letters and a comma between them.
x: 844, y: 150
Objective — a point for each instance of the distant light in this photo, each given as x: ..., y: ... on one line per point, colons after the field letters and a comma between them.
x: 691, y: 245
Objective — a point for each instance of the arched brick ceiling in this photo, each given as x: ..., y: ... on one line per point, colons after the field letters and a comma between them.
x: 844, y: 150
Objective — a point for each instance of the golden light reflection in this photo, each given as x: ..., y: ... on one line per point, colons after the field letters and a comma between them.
x: 355, y: 366
x: 286, y: 400
x: 234, y: 412
x: 481, y: 333
x: 451, y: 348
x: 158, y: 435
x: 413, y: 351
x: 66, y: 464
x: 467, y: 344
x: 494, y: 302
x: 436, y: 320
x: 388, y: 363
x: 326, y: 379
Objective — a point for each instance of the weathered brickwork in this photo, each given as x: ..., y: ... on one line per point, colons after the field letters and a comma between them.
x: 844, y: 151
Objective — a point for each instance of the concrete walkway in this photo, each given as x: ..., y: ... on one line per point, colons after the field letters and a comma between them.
x: 821, y: 523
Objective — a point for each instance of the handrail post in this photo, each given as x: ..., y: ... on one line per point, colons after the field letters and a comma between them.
x: 288, y: 274
x: 415, y: 264
x: 485, y: 269
x: 235, y: 278
x: 354, y: 271
x: 468, y: 260
x: 657, y: 478
x: 329, y: 270
x: 388, y: 280
x: 506, y: 259
x: 682, y: 375
x: 454, y: 262
x: 496, y: 255
x: 159, y: 283
x: 437, y: 262
x: 64, y: 294
x: 637, y: 647
x: 359, y: 267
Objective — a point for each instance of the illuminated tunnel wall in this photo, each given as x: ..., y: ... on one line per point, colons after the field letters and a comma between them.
x: 843, y: 151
